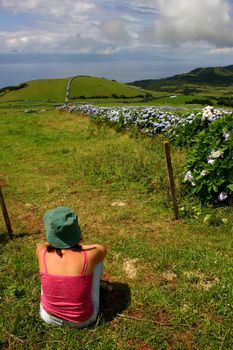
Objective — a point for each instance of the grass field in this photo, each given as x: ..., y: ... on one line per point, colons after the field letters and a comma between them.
x: 93, y: 86
x: 171, y: 279
x: 54, y: 90
x: 102, y: 91
x: 39, y: 90
x: 87, y: 89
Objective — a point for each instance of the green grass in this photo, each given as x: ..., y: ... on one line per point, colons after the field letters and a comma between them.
x: 93, y: 90
x: 104, y: 92
x: 93, y: 86
x: 39, y: 90
x: 174, y: 277
x: 177, y: 100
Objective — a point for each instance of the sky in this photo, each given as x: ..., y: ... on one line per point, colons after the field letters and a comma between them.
x: 123, y: 40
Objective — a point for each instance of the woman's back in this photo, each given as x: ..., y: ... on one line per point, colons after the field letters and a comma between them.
x: 70, y: 262
x: 66, y: 295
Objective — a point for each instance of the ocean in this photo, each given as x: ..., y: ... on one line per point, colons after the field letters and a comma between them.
x: 18, y: 69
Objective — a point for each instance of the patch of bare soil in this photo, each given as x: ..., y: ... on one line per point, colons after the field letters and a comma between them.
x: 130, y: 268
x: 186, y: 338
x: 137, y: 344
x: 158, y: 317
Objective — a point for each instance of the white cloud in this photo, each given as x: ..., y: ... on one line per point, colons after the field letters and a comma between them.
x: 114, y: 30
x: 108, y: 26
x: 193, y: 21
x: 222, y: 50
x: 53, y: 7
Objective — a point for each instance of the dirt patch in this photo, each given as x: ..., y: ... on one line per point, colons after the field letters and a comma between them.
x: 137, y: 344
x: 138, y: 313
x: 152, y: 228
x: 147, y: 273
x: 186, y: 339
x: 158, y: 317
x: 162, y: 316
x: 3, y: 182
x: 168, y: 277
x: 144, y: 346
x: 118, y: 203
x: 129, y: 266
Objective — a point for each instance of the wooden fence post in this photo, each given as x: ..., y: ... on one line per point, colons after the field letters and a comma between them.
x: 5, y: 214
x: 171, y: 178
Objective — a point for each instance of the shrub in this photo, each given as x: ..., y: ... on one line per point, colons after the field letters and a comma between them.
x: 209, y: 165
x: 202, y: 101
x: 183, y: 132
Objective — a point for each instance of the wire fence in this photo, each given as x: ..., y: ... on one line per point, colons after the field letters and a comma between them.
x: 70, y: 191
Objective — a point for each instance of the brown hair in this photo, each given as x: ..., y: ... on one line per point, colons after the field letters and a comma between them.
x: 75, y: 248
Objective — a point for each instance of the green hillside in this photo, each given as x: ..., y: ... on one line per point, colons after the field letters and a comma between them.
x: 230, y: 68
x: 38, y: 90
x: 211, y: 85
x: 90, y: 87
x: 54, y: 90
x: 200, y: 76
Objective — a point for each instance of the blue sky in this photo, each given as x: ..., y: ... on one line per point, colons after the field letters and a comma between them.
x: 124, y: 40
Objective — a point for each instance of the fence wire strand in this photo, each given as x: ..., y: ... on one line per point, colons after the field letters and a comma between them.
x: 69, y: 192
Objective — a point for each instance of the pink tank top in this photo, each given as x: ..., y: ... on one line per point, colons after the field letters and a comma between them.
x: 67, y: 297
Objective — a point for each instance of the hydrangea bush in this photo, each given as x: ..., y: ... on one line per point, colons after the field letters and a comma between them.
x: 209, y: 165
x: 149, y: 120
x: 183, y: 133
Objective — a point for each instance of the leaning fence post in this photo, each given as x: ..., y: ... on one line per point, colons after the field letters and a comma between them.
x: 171, y: 178
x: 5, y: 214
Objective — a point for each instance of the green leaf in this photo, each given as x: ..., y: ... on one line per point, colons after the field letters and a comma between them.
x: 230, y: 187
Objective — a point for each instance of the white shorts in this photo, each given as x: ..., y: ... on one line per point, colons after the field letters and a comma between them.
x: 56, y: 321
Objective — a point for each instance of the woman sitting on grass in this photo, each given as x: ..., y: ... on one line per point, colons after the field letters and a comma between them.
x: 70, y: 272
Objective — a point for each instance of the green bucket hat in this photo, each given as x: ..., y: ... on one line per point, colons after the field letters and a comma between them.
x: 62, y: 228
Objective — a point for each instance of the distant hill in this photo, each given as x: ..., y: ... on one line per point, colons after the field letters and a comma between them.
x: 209, y: 75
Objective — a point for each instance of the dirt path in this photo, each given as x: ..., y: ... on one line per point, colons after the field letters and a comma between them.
x: 67, y: 99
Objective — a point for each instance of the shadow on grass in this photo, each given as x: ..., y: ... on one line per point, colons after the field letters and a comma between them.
x: 113, y: 300
x: 7, y: 237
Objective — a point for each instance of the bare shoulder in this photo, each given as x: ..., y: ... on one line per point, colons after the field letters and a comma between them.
x: 94, y: 247
x: 40, y: 247
x: 97, y: 252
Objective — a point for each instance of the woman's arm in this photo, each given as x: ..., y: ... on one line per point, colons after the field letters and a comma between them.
x: 96, y: 252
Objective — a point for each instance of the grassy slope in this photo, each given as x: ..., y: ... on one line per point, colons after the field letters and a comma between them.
x: 93, y: 86
x: 210, y: 76
x: 55, y: 90
x: 177, y: 274
x: 39, y: 90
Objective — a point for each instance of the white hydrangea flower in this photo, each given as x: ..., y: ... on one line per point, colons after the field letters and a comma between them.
x: 210, y: 161
x: 226, y: 135
x: 216, y: 154
x: 222, y: 196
